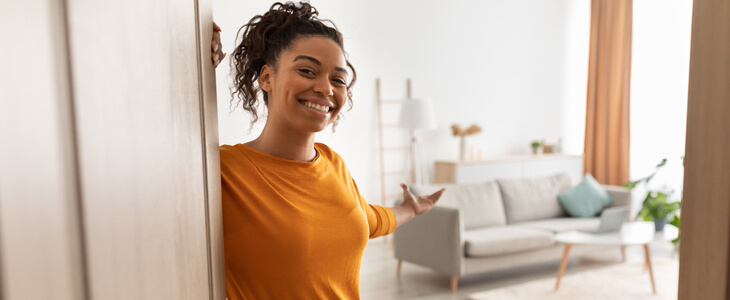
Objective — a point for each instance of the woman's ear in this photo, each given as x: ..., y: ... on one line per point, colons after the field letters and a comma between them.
x: 265, y: 78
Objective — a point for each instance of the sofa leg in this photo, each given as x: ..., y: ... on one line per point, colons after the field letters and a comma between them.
x: 454, y: 283
x: 397, y: 270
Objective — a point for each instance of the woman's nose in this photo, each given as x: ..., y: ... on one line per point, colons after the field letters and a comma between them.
x: 323, y: 87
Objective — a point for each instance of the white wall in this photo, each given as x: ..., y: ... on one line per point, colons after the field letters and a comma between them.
x: 516, y: 68
x: 659, y: 81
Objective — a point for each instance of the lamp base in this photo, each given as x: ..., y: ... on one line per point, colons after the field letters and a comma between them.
x: 462, y: 149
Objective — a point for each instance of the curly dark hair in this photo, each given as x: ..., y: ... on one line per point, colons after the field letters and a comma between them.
x: 264, y: 38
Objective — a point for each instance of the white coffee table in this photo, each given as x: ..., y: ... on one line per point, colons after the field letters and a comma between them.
x: 633, y: 233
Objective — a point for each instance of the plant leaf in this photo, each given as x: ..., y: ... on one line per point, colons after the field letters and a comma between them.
x: 675, y: 221
x: 631, y: 185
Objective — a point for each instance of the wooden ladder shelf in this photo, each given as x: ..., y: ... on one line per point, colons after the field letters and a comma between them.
x: 385, y: 150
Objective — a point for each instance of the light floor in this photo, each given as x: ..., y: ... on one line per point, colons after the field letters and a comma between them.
x: 379, y: 282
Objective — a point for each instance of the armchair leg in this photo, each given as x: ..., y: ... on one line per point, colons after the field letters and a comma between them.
x: 454, y: 283
x: 397, y: 270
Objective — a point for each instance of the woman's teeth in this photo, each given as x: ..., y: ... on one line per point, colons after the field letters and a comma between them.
x: 318, y: 107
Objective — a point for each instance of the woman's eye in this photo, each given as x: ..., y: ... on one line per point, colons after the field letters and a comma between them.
x: 306, y: 71
x: 340, y: 81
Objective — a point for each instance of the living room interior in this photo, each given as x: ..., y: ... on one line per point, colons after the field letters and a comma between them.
x: 516, y: 69
x: 112, y: 114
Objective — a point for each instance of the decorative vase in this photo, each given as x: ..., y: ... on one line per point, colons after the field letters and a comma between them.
x: 534, y: 150
x: 659, y: 224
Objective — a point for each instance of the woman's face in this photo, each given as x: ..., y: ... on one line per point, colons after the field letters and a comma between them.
x: 309, y: 87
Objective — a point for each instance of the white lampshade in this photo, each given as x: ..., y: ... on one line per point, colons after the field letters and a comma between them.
x: 417, y: 114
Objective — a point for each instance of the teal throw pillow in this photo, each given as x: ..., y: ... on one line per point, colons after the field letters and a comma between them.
x: 586, y: 199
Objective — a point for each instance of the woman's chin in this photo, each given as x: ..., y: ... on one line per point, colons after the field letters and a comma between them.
x: 325, y: 126
x: 316, y: 128
x: 313, y: 127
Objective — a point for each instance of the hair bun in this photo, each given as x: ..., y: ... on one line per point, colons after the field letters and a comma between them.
x: 303, y: 10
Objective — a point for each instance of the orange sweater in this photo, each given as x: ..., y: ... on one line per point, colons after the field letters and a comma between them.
x: 294, y: 230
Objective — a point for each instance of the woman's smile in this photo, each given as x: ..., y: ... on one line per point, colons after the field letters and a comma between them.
x: 317, y: 107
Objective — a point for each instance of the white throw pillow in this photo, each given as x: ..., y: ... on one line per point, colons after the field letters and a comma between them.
x: 533, y: 199
x: 480, y: 204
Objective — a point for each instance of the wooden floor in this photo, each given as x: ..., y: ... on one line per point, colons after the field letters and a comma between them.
x: 378, y: 280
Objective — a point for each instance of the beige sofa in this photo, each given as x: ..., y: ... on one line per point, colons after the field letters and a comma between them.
x: 494, y: 225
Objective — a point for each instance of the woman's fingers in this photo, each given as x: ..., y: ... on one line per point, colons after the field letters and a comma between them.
x: 431, y: 199
x: 435, y: 196
x: 216, y: 46
x: 216, y: 27
x: 406, y: 193
x: 216, y: 42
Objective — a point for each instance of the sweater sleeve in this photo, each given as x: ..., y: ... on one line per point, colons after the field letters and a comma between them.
x: 381, y: 219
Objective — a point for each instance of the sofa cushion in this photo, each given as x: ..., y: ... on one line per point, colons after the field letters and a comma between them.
x: 585, y: 200
x: 503, y: 240
x: 533, y: 199
x: 480, y: 204
x: 559, y: 225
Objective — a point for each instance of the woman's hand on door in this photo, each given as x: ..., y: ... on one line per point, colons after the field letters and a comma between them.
x: 216, y: 47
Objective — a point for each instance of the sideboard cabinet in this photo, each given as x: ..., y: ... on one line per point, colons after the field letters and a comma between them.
x: 508, y: 167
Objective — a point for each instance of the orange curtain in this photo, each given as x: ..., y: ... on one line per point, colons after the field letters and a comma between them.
x: 607, y: 136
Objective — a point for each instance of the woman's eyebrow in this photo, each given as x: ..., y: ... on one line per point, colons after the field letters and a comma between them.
x: 316, y: 61
x: 340, y: 69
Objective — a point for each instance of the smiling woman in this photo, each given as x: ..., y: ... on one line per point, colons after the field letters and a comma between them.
x: 294, y: 222
x: 264, y: 39
x: 310, y: 76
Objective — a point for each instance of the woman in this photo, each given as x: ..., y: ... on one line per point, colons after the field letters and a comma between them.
x: 295, y: 225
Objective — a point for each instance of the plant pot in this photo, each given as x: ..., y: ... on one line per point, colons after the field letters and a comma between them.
x: 659, y: 224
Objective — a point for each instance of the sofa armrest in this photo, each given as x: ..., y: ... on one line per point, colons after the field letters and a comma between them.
x: 433, y: 240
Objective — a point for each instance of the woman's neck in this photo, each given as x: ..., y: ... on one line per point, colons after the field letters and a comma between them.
x: 286, y: 144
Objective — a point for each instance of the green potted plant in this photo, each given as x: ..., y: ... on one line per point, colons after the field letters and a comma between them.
x: 656, y: 207
x: 535, y: 146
